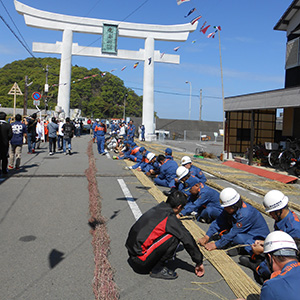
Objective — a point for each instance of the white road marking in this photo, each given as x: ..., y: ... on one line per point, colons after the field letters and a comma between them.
x: 239, y: 187
x: 208, y: 174
x: 254, y: 194
x: 201, y: 145
x: 131, y: 202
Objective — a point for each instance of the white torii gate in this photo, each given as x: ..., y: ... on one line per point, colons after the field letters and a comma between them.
x: 69, y: 24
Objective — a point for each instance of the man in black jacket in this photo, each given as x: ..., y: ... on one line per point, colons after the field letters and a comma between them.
x: 154, y: 238
x: 5, y: 136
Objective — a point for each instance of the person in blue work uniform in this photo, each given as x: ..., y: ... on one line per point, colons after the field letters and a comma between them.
x: 153, y: 166
x: 187, y: 162
x: 135, y: 155
x: 282, y: 256
x: 204, y: 201
x: 93, y: 128
x: 100, y: 131
x: 276, y: 204
x: 130, y: 131
x: 143, y: 132
x: 244, y: 224
x: 125, y: 152
x: 167, y: 170
x: 140, y: 165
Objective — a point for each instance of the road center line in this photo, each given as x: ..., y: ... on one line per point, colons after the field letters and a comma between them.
x: 131, y: 202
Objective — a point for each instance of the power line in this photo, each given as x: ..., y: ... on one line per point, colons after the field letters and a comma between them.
x: 14, y: 24
x: 135, y: 10
x: 176, y: 94
x: 25, y: 46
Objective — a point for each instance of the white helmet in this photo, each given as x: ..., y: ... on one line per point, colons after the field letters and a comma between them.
x: 97, y: 120
x: 275, y: 200
x: 280, y: 243
x: 181, y: 172
x: 150, y: 156
x: 229, y: 196
x: 185, y: 160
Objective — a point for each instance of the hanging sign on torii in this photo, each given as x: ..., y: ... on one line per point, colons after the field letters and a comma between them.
x: 69, y: 24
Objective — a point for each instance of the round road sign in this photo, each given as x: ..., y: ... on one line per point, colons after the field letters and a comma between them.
x: 36, y: 96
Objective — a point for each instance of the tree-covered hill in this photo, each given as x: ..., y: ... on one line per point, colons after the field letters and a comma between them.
x: 98, y: 96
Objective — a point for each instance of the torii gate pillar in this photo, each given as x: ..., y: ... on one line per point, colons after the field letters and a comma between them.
x: 69, y: 24
x: 64, y: 89
x: 148, y: 89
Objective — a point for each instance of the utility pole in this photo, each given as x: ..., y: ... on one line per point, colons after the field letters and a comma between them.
x: 46, y: 89
x: 125, y: 98
x: 200, y: 115
x: 25, y: 96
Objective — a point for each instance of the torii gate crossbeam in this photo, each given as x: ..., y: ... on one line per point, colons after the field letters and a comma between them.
x: 69, y: 24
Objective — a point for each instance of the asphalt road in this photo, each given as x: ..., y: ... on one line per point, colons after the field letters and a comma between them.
x: 46, y: 250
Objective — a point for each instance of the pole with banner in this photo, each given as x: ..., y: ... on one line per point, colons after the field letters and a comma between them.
x: 15, y: 90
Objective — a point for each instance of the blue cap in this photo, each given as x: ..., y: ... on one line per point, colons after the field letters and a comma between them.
x: 168, y: 151
x: 133, y: 144
x: 102, y: 121
x: 142, y: 149
x: 128, y: 142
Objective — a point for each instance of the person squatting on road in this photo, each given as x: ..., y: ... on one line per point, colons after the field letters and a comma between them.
x: 19, y: 130
x: 167, y: 171
x: 282, y: 256
x: 243, y: 223
x: 155, y: 236
x: 100, y: 131
x: 203, y: 202
x: 276, y: 204
x: 5, y: 136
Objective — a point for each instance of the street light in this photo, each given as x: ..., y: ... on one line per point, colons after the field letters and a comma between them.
x: 190, y: 104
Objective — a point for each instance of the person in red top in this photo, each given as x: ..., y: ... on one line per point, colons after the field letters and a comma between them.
x: 154, y: 238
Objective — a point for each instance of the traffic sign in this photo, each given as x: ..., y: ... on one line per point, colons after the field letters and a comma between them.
x: 36, y: 96
x: 36, y: 102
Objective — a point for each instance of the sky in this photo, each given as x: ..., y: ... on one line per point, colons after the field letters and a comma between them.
x: 252, y: 52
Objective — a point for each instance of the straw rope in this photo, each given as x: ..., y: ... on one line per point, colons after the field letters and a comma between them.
x: 239, y: 282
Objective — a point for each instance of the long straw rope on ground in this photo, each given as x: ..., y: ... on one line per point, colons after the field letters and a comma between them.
x: 239, y: 282
x: 103, y: 284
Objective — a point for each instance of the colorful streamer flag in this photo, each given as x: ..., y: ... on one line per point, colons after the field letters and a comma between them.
x: 203, y: 26
x: 113, y: 70
x: 149, y: 60
x: 181, y: 1
x: 195, y: 20
x: 190, y: 12
x: 176, y: 49
x: 135, y: 65
x: 103, y: 74
x: 204, y: 29
x: 218, y: 28
x: 123, y: 68
x: 193, y: 42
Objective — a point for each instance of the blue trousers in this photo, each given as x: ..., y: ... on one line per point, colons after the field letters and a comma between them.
x: 161, y: 182
x: 100, y: 144
x: 210, y: 212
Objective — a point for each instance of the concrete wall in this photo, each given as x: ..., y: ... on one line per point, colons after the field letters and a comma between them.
x: 191, y: 130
